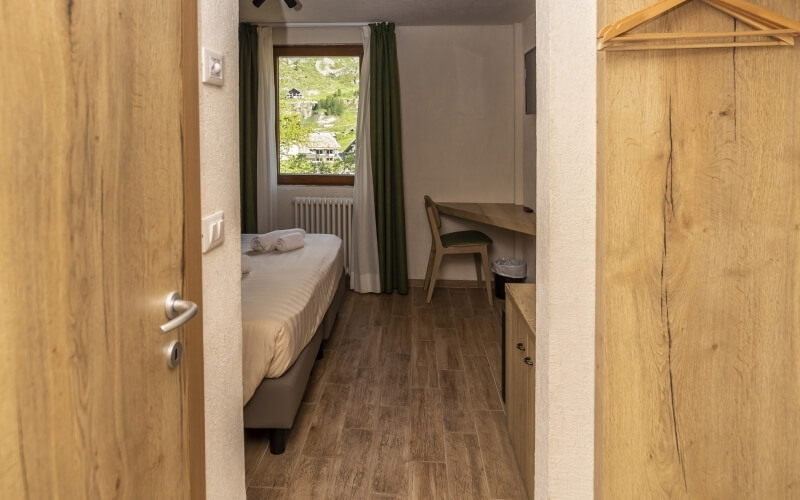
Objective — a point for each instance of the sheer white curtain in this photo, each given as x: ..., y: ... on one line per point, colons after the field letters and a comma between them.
x: 267, y: 164
x: 364, y: 273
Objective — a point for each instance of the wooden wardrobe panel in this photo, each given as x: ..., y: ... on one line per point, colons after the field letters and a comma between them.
x: 697, y: 313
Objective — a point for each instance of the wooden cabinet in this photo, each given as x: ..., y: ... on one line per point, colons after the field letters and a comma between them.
x: 521, y: 376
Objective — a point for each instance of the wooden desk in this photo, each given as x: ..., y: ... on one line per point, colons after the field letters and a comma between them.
x: 505, y: 215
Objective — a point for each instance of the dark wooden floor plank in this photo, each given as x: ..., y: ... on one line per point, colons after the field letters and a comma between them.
x: 256, y: 442
x: 381, y: 310
x: 396, y: 383
x: 448, y: 349
x: 257, y: 493
x: 465, y: 475
x: 312, y: 478
x: 469, y: 337
x: 502, y: 474
x: 372, y: 354
x: 418, y: 297
x: 428, y: 481
x: 398, y: 335
x: 494, y: 353
x: 328, y: 422
x: 482, y: 390
x: 391, y: 447
x: 276, y: 471
x: 345, y: 363
x: 459, y: 303
x: 360, y: 316
x: 423, y: 365
x: 443, y: 310
x: 477, y: 298
x: 422, y: 323
x: 488, y: 325
x: 365, y: 396
x: 352, y: 477
x: 401, y: 304
x: 427, y: 428
x: 457, y: 415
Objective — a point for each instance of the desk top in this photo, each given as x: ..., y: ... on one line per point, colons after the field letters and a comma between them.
x: 505, y: 215
x: 524, y: 296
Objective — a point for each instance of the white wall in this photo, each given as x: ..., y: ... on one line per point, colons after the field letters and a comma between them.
x: 222, y: 321
x: 528, y: 41
x: 457, y: 98
x: 565, y: 268
x: 317, y: 36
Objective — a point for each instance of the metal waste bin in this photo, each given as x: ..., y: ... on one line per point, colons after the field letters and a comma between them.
x: 507, y: 270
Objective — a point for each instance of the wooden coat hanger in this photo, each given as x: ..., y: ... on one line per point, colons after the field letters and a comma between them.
x: 777, y: 30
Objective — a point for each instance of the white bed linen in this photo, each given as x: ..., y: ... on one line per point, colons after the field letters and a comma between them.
x: 284, y: 299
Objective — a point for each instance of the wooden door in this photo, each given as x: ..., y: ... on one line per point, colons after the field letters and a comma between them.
x: 97, y: 135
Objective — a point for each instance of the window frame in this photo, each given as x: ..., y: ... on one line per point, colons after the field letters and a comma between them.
x: 278, y: 51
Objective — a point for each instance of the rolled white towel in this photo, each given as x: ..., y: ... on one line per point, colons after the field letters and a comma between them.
x: 289, y: 242
x: 266, y: 242
x: 245, y: 264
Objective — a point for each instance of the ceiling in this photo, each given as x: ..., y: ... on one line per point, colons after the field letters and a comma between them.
x: 400, y: 12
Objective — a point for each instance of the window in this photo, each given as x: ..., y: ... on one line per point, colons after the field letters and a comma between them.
x: 317, y: 96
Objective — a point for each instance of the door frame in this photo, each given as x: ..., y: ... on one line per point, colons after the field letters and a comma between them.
x: 193, y: 260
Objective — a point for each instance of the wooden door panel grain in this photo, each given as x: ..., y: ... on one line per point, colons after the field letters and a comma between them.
x: 92, y: 211
x: 697, y: 311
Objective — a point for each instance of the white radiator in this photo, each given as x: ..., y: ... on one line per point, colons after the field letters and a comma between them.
x: 328, y: 216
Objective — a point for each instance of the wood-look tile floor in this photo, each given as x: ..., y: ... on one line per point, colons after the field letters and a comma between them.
x: 404, y: 404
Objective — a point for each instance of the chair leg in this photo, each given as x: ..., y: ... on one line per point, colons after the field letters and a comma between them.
x: 486, y: 271
x: 478, y: 263
x: 437, y: 261
x: 430, y: 267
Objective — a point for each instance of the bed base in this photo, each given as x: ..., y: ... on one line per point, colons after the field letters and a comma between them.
x: 275, y: 402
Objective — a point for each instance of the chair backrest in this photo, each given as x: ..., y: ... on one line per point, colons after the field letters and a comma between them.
x: 430, y: 205
x: 433, y: 217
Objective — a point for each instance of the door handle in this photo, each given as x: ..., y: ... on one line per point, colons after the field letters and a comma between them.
x: 528, y: 361
x: 521, y: 346
x: 178, y: 311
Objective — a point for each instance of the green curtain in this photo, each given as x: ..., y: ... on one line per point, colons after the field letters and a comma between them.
x: 387, y: 158
x: 248, y: 125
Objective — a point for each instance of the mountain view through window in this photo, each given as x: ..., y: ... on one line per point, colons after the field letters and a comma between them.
x: 318, y: 107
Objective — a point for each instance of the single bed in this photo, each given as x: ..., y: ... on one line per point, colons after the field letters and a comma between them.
x: 289, y: 305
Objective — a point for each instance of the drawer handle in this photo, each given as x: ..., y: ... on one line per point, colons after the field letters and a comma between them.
x: 528, y: 361
x: 521, y: 346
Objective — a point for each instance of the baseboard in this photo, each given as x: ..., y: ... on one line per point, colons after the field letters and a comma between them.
x: 449, y: 283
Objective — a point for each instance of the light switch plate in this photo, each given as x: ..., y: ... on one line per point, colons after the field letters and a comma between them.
x: 213, y: 230
x: 212, y: 67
